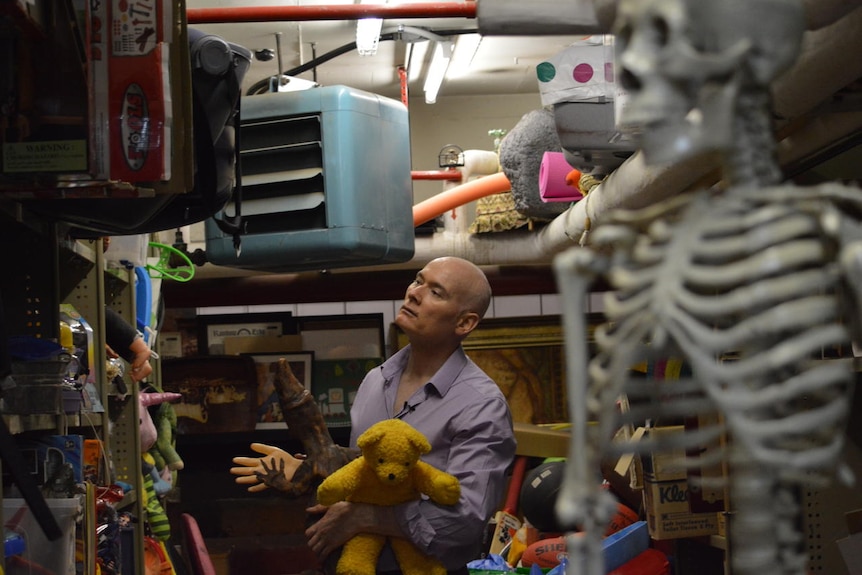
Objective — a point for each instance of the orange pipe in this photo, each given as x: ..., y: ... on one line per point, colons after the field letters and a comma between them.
x: 460, y: 195
x: 330, y: 12
x: 453, y: 175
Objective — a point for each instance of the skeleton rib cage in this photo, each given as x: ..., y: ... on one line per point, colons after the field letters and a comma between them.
x: 747, y: 286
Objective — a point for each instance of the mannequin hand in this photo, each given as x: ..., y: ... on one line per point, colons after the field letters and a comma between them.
x: 275, y: 469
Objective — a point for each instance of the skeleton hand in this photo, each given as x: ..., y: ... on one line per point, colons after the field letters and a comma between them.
x: 275, y: 469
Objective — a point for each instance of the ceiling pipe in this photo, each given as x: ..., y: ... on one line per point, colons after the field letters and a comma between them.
x: 330, y: 12
x: 822, y: 13
x: 450, y: 175
x: 545, y: 17
x: 829, y: 132
x: 826, y: 64
x: 635, y: 184
x: 552, y: 17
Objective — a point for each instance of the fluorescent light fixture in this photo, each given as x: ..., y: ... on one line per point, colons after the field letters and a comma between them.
x: 437, y: 70
x: 368, y: 31
x: 368, y: 35
x: 465, y: 50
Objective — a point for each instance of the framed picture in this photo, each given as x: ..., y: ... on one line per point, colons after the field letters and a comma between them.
x: 524, y: 356
x: 269, y: 414
x: 213, y: 329
x: 334, y: 386
x: 343, y: 337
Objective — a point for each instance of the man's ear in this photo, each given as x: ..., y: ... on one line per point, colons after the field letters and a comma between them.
x: 467, y: 323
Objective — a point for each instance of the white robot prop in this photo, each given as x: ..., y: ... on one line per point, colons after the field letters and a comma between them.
x: 747, y: 282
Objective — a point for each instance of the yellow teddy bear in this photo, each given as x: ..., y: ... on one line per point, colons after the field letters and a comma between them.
x: 388, y: 472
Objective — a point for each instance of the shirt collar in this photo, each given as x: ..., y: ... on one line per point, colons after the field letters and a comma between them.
x: 441, y: 381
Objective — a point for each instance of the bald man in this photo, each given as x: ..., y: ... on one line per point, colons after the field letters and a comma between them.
x: 433, y: 385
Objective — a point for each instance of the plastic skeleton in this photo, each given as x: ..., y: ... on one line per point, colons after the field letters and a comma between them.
x: 762, y: 271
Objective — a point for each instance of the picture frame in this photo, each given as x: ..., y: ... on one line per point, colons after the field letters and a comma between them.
x: 213, y: 329
x: 335, y: 382
x: 343, y: 337
x: 525, y: 357
x: 268, y: 413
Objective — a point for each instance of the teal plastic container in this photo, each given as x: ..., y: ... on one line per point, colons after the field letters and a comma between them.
x: 325, y: 183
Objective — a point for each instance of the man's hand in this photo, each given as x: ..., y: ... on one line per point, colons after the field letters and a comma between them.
x: 275, y: 469
x: 140, y: 366
x: 343, y: 520
x: 339, y: 523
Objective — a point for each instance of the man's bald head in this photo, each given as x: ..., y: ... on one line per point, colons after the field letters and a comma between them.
x: 472, y: 283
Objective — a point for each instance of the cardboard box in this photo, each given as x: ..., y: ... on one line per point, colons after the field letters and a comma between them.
x: 129, y: 46
x: 170, y: 344
x: 666, y: 495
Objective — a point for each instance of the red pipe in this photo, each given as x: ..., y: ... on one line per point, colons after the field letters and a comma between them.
x: 402, y: 80
x: 453, y: 175
x: 460, y: 195
x: 330, y: 12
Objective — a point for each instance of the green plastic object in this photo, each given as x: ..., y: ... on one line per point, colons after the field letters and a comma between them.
x: 162, y: 269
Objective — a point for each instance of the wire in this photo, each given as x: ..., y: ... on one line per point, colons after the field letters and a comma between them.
x: 262, y: 86
x: 102, y: 451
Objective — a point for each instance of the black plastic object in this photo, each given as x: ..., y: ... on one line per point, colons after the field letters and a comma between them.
x: 218, y: 68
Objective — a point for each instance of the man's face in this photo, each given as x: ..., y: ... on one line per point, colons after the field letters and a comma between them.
x: 433, y: 302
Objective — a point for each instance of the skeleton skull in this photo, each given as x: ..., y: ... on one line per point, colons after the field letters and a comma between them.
x: 683, y: 63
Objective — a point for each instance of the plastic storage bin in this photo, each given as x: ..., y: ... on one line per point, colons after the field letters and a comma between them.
x: 38, y: 387
x: 127, y: 251
x: 41, y: 555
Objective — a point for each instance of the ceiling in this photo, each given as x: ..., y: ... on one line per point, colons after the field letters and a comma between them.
x: 500, y: 64
x: 819, y: 102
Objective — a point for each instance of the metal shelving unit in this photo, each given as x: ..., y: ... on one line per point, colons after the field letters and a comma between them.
x: 43, y: 269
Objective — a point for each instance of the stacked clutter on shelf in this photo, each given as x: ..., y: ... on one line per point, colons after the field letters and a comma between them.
x: 40, y: 516
x: 44, y: 378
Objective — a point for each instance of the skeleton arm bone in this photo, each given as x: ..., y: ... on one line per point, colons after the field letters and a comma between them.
x: 581, y: 502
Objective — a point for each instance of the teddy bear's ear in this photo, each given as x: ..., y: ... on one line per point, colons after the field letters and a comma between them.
x: 371, y: 436
x: 419, y: 442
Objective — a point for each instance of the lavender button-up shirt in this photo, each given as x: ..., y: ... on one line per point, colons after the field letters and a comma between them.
x: 466, y: 419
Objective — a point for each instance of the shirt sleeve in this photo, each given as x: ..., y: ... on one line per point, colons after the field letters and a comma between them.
x: 119, y: 334
x: 479, y: 456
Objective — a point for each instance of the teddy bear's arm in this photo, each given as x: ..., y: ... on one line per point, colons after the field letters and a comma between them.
x: 341, y: 484
x: 440, y: 486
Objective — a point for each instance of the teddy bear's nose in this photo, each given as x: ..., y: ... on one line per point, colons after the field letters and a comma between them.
x: 391, y: 477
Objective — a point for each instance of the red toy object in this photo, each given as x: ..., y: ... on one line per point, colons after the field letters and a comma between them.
x: 545, y: 553
x: 195, y: 547
x: 650, y: 562
x: 624, y: 517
